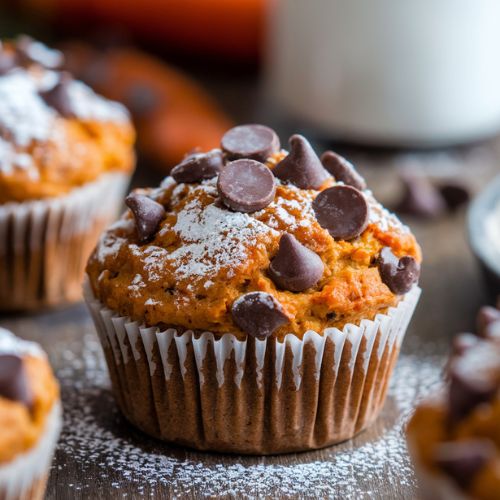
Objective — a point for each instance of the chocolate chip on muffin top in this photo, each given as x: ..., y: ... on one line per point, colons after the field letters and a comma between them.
x: 266, y: 222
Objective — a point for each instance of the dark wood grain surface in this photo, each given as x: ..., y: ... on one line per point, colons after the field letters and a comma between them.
x: 101, y: 456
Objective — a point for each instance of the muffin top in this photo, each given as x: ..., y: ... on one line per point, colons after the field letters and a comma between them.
x: 28, y: 392
x: 458, y: 432
x: 55, y: 132
x: 251, y: 240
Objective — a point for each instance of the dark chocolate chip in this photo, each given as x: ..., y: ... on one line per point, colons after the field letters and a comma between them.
x: 141, y: 100
x: 255, y: 142
x: 7, y: 62
x: 467, y: 392
x: 463, y: 342
x: 295, y: 267
x: 454, y: 194
x: 258, y: 314
x: 462, y: 460
x: 13, y: 380
x: 246, y: 185
x: 342, y: 210
x: 30, y: 51
x: 486, y: 316
x: 59, y: 98
x: 398, y: 274
x: 301, y: 166
x: 147, y: 213
x: 197, y: 167
x: 342, y: 170
x: 420, y: 198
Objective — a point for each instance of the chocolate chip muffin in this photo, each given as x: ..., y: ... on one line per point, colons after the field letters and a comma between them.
x: 66, y: 156
x: 455, y: 437
x: 255, y: 302
x: 30, y: 418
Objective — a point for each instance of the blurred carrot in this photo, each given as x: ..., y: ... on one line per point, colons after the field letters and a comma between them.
x: 221, y: 27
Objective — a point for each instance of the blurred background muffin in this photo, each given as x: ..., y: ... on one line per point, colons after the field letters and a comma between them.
x: 30, y: 418
x: 66, y: 158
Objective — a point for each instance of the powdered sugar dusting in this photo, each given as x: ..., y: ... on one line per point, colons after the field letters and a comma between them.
x: 381, y: 216
x: 96, y: 437
x: 11, y: 160
x: 214, y: 239
x: 24, y: 116
x: 87, y: 105
x: 10, y: 344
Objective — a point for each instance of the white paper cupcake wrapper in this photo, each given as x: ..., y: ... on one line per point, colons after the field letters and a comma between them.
x: 354, y: 363
x: 25, y: 476
x: 44, y: 244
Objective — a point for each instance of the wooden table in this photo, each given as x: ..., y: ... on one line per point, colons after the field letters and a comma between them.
x: 101, y: 456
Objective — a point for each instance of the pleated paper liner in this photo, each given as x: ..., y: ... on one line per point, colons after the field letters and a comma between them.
x: 252, y: 396
x: 45, y: 244
x: 25, y: 477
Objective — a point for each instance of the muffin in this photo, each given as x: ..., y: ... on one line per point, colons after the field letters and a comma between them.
x: 454, y: 438
x: 254, y: 302
x: 30, y: 418
x: 66, y: 156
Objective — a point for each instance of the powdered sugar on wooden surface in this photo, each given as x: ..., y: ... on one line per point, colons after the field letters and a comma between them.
x: 104, y: 446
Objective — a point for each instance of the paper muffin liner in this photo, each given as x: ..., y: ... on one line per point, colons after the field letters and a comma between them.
x: 25, y: 477
x: 45, y: 244
x: 251, y: 396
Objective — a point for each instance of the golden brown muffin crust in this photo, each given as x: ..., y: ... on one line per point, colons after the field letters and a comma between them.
x: 204, y: 256
x: 46, y: 153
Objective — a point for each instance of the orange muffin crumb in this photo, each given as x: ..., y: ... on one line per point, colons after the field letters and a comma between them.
x: 203, y: 257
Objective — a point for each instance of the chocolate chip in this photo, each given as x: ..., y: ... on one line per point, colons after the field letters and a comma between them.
x: 467, y: 392
x: 342, y: 210
x: 301, y: 166
x: 486, y: 316
x: 7, y: 62
x: 420, y: 198
x: 295, y: 267
x: 13, y: 380
x: 398, y: 274
x: 255, y: 142
x: 197, y: 167
x: 463, y: 342
x: 342, y: 170
x: 30, y: 51
x: 59, y: 98
x: 462, y: 460
x: 147, y: 213
x: 258, y: 314
x: 141, y: 100
x: 246, y: 185
x: 454, y: 194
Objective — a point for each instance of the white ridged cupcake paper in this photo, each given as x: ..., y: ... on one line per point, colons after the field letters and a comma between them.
x: 333, y: 383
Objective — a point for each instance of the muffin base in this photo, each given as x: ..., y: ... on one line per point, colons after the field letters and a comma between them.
x: 25, y: 477
x: 45, y: 244
x: 252, y: 396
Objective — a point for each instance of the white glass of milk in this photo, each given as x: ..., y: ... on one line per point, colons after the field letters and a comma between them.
x: 388, y: 72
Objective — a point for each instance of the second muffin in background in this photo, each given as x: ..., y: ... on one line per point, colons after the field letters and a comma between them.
x: 66, y: 157
x: 254, y: 303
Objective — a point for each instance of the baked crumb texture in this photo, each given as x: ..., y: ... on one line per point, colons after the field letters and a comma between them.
x: 203, y: 256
